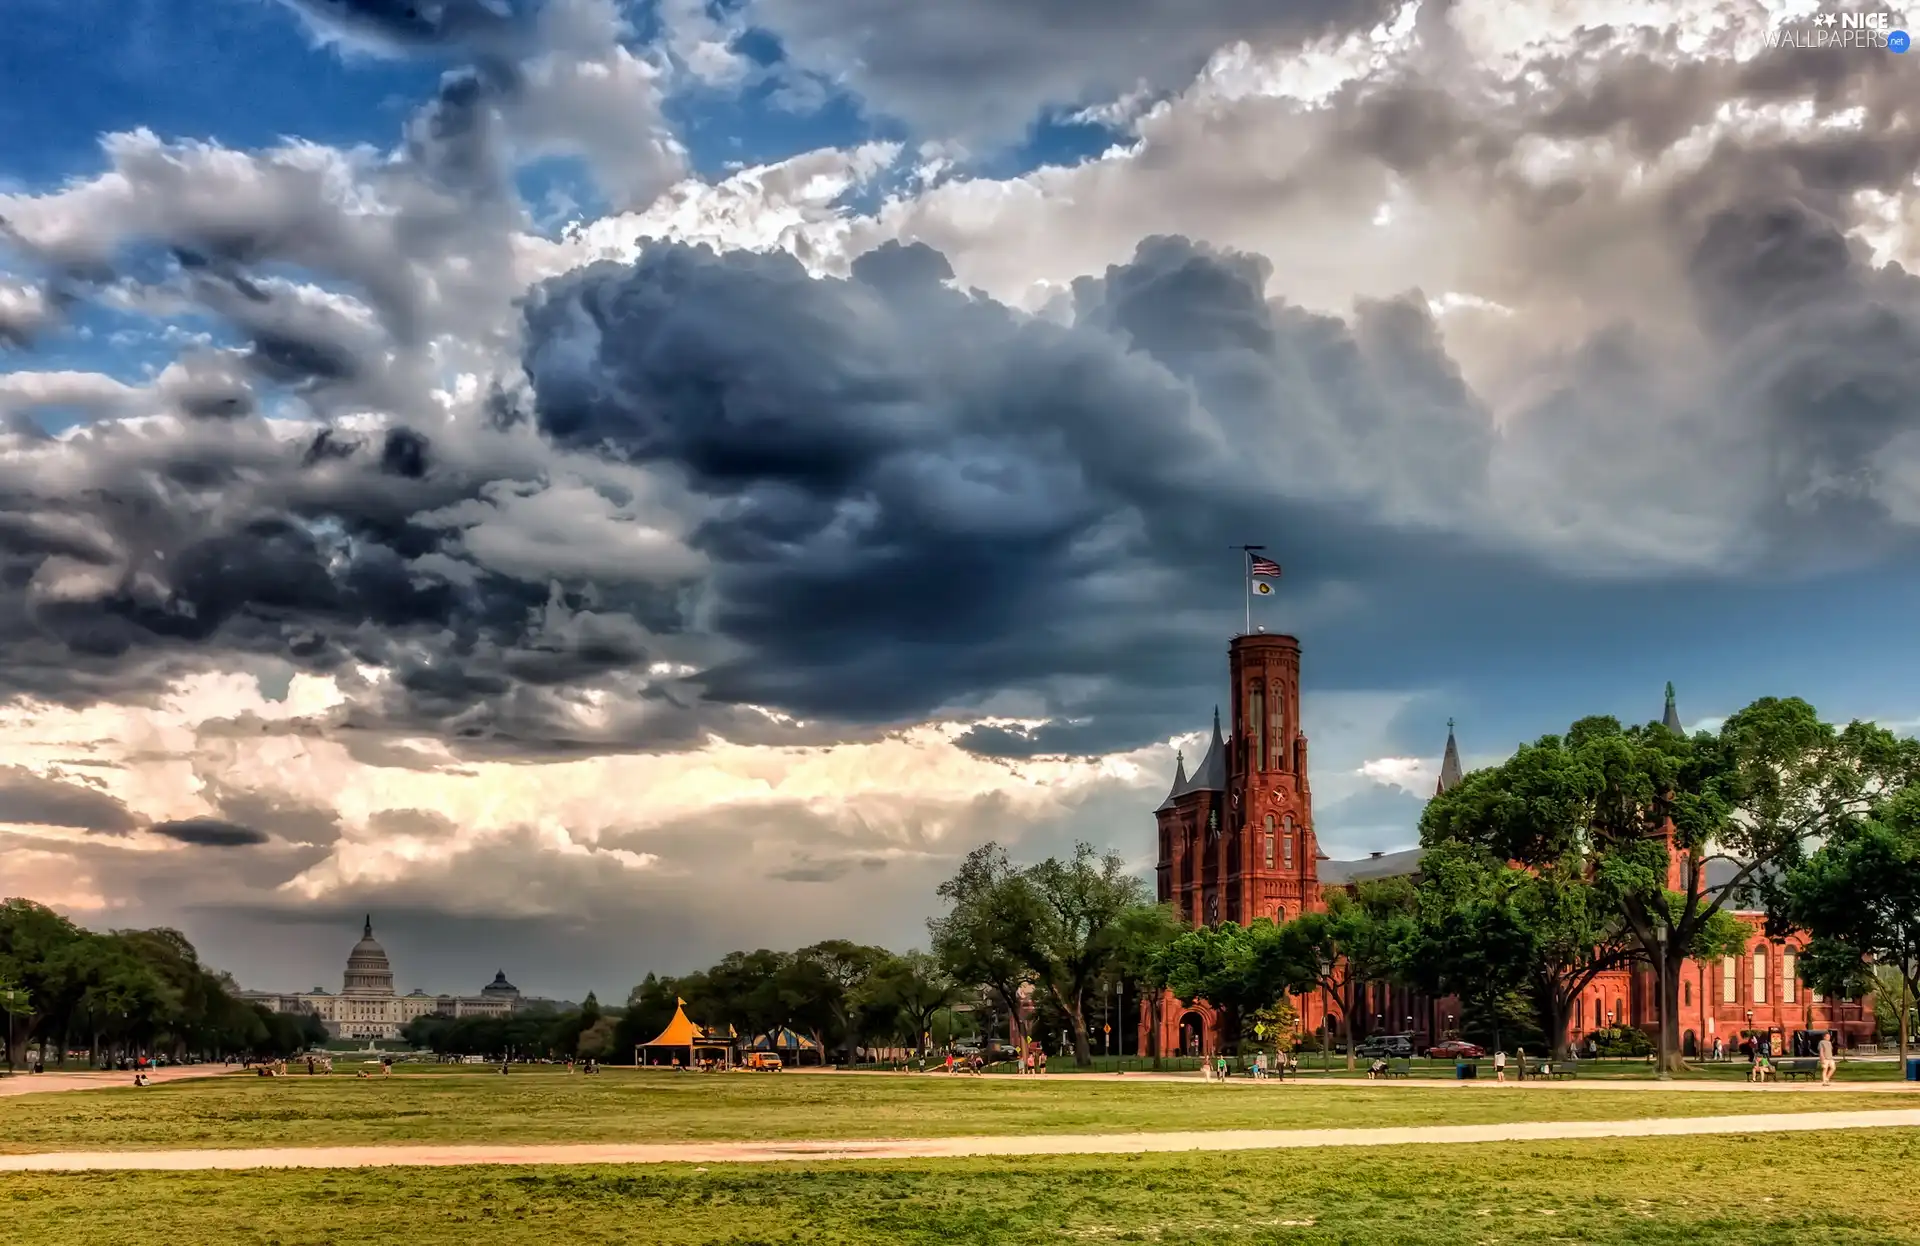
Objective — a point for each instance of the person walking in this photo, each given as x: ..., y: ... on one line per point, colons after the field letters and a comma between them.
x: 1826, y: 1059
x: 1500, y: 1067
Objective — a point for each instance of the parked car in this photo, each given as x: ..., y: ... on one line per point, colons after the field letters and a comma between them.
x: 1399, y: 1046
x: 1457, y: 1049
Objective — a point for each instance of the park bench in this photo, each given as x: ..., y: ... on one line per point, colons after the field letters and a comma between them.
x: 1560, y: 1070
x: 1399, y: 1068
x: 1796, y: 1068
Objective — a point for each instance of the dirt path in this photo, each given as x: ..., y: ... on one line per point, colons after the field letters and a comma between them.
x: 943, y: 1148
x: 50, y: 1083
x: 1646, y: 1085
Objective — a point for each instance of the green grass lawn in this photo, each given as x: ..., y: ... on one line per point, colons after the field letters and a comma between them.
x: 1753, y: 1191
x: 627, y: 1106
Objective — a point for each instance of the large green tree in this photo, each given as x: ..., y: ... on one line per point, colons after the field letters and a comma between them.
x: 1080, y: 907
x: 986, y: 937
x: 1673, y: 832
x: 1858, y: 897
x: 1243, y: 971
x: 1360, y: 937
x: 1140, y: 939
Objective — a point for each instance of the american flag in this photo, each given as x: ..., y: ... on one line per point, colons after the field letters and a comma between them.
x: 1263, y: 566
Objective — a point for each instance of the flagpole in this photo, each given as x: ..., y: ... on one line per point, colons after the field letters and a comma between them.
x: 1246, y: 574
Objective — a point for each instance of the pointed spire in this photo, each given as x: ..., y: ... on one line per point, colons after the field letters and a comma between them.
x: 1450, y: 772
x: 367, y: 933
x: 1179, y: 780
x: 1212, y: 774
x: 1670, y: 719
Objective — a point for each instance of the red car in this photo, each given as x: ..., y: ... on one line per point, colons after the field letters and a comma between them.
x: 1456, y: 1049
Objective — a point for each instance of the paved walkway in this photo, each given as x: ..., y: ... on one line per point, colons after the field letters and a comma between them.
x: 47, y: 1083
x: 943, y: 1148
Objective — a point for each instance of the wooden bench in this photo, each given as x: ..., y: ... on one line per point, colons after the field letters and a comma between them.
x: 1560, y: 1070
x: 1796, y: 1067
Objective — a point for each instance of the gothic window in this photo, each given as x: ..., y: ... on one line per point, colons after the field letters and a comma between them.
x: 1259, y: 716
x: 1686, y: 988
x: 1730, y: 980
x: 1269, y: 841
x: 1213, y: 909
x: 1279, y: 914
x: 1789, y: 969
x: 1278, y: 738
x: 1286, y: 843
x: 1760, y: 974
x: 1213, y: 824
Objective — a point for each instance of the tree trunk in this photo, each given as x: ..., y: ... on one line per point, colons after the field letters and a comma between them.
x: 1082, y: 1051
x: 1903, y: 1021
x: 1667, y: 990
x: 1552, y: 1003
x: 1156, y: 1027
x: 1351, y: 1006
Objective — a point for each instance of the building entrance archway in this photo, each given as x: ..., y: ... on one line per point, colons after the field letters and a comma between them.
x: 1193, y: 1034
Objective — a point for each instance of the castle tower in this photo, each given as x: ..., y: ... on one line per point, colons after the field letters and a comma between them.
x: 1270, y: 856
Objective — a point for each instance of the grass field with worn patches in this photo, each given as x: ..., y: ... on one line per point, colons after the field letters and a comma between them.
x: 1842, y: 1185
x: 246, y: 1111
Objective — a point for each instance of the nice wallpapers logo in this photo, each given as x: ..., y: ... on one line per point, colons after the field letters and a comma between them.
x: 1878, y: 32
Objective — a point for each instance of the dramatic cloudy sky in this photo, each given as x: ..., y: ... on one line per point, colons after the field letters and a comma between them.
x: 602, y: 482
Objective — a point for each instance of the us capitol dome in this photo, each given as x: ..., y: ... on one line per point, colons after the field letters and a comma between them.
x: 367, y: 1006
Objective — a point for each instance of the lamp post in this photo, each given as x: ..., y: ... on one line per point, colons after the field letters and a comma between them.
x: 1666, y: 1022
x: 10, y: 995
x: 1106, y: 1020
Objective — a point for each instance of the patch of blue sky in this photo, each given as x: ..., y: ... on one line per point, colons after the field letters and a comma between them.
x: 72, y: 70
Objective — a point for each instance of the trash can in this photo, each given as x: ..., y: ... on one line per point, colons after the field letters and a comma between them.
x: 1913, y: 1068
x: 1466, y: 1072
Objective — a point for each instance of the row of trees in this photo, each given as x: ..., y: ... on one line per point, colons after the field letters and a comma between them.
x: 1613, y: 846
x: 126, y: 993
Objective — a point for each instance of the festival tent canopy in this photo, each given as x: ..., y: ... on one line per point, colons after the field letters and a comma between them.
x: 681, y: 1032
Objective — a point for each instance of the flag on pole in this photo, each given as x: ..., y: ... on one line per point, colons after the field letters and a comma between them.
x: 1263, y: 588
x: 1263, y: 566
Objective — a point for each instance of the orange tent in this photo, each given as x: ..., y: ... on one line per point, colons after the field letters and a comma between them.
x: 682, y: 1034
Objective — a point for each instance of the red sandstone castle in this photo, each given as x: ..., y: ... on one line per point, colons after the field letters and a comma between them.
x: 1237, y: 843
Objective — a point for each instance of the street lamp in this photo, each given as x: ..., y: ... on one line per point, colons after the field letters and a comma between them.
x: 10, y: 997
x: 1666, y: 1022
x: 1449, y: 1033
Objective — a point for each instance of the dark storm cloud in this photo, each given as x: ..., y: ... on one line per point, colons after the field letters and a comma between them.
x: 986, y: 70
x: 923, y: 498
x: 210, y: 833
x: 30, y: 799
x: 413, y: 26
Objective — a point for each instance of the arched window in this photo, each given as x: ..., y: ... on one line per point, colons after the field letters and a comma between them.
x: 1259, y: 727
x: 1729, y: 980
x: 1278, y: 740
x: 1789, y: 972
x: 1279, y: 914
x: 1760, y: 974
x: 1269, y: 841
x: 1686, y: 989
x: 1286, y: 842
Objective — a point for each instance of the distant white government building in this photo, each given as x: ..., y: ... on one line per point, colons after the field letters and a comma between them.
x: 367, y: 1007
